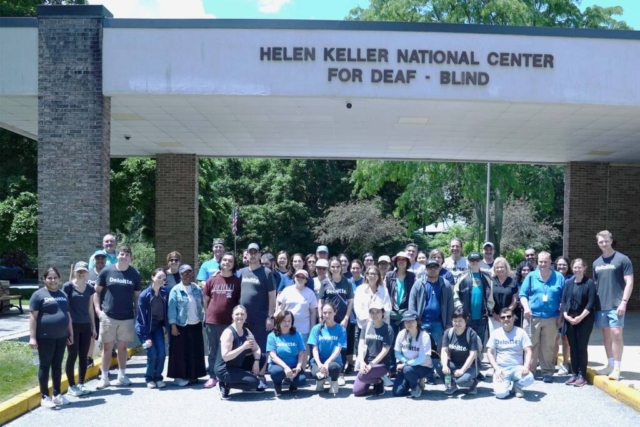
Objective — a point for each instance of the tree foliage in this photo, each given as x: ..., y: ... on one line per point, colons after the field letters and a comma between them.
x: 28, y: 7
x: 359, y: 226
x: 523, y: 229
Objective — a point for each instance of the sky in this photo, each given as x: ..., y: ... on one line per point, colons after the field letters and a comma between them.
x: 283, y: 9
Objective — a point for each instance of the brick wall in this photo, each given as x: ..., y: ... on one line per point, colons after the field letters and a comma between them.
x: 600, y: 196
x: 177, y: 207
x: 73, y: 139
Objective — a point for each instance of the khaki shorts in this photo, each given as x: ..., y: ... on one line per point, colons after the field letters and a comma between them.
x: 112, y: 330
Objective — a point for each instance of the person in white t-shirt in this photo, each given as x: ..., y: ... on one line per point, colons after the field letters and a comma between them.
x: 301, y: 302
x: 505, y: 350
x: 456, y: 263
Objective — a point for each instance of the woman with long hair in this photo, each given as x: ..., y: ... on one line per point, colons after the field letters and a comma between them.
x: 310, y: 262
x: 173, y: 266
x: 344, y: 262
x: 283, y: 270
x: 505, y: 291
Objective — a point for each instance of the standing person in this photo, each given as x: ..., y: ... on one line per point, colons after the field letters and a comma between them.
x: 368, y: 259
x: 322, y: 268
x: 235, y: 368
x: 173, y: 266
x: 399, y: 283
x: 356, y: 270
x: 486, y: 264
x: 50, y: 329
x: 422, y: 259
x: 374, y: 354
x: 384, y: 264
x: 505, y: 292
x: 338, y: 292
x: 530, y: 259
x: 438, y: 255
x: 287, y: 352
x: 456, y: 263
x: 109, y: 248
x: 525, y: 269
x: 258, y: 295
x: 121, y: 284
x: 80, y: 301
x: 322, y: 252
x: 208, y: 268
x: 459, y: 356
x: 540, y: 296
x: 297, y: 264
x: 245, y: 258
x: 344, y: 262
x: 432, y: 298
x: 100, y: 261
x: 504, y: 351
x: 268, y: 261
x: 474, y: 292
x: 328, y: 339
x: 310, y: 261
x: 186, y: 348
x: 578, y: 307
x: 413, y: 356
x: 562, y: 266
x: 220, y: 294
x: 414, y: 266
x: 152, y: 322
x: 283, y: 272
x: 301, y: 302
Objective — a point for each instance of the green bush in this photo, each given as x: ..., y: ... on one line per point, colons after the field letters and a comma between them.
x: 144, y: 259
x: 514, y: 257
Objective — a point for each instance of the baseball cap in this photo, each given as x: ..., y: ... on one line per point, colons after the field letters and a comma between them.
x: 431, y: 261
x: 253, y: 246
x: 384, y: 258
x: 218, y: 242
x: 409, y: 315
x: 474, y: 256
x: 80, y: 266
x: 101, y: 253
x: 322, y: 248
x: 402, y: 254
x: 377, y: 305
x: 488, y: 244
x: 303, y: 272
x: 322, y: 263
x: 184, y: 268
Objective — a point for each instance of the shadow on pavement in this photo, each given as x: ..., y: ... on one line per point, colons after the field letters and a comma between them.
x: 85, y: 403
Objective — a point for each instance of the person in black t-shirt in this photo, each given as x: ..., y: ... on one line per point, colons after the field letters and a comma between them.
x: 50, y: 330
x: 460, y: 350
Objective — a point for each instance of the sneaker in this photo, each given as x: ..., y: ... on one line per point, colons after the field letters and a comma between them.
x: 260, y: 389
x: 103, y: 383
x: 518, y: 392
x: 84, y: 389
x: 474, y: 387
x: 349, y: 369
x: 580, y: 381
x: 547, y: 378
x: 60, y: 400
x: 335, y: 387
x: 320, y: 385
x: 151, y: 384
x: 46, y: 402
x: 123, y: 381
x: 431, y: 380
x: 451, y: 389
x: 89, y: 362
x: 422, y: 383
x: 615, y: 374
x: 341, y: 381
x: 211, y: 383
x: 181, y: 382
x: 416, y: 392
x: 263, y: 383
x: 74, y: 391
x: 277, y: 389
x: 563, y: 370
x: 378, y: 389
x: 161, y: 384
x: 292, y: 387
x: 572, y: 380
x: 387, y: 381
x: 480, y: 376
x: 605, y: 371
x: 224, y: 390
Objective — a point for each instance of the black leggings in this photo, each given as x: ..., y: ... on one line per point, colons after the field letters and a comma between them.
x: 50, y: 354
x: 578, y: 336
x: 81, y: 342
x: 241, y: 378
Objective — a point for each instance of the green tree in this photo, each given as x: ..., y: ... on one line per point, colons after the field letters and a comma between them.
x: 28, y: 7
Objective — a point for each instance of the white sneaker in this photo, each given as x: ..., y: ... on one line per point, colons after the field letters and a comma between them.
x: 103, y: 383
x: 161, y: 384
x: 151, y: 384
x: 75, y: 391
x: 46, y: 402
x: 263, y: 384
x: 387, y: 381
x: 615, y: 374
x: 83, y: 388
x: 180, y: 382
x: 335, y: 387
x: 123, y: 381
x: 319, y: 385
x: 605, y: 371
x: 60, y: 400
x: 416, y: 393
x: 341, y: 381
x: 562, y: 370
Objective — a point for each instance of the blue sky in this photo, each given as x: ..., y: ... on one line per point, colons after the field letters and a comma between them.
x: 338, y: 9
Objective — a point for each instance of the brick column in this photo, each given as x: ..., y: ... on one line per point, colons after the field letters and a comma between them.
x: 600, y: 196
x: 177, y: 207
x: 73, y: 135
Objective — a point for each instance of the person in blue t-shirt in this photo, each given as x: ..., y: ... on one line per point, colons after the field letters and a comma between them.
x: 327, y: 340
x: 209, y: 268
x: 288, y: 353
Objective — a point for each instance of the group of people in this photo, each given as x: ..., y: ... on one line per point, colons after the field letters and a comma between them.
x: 398, y: 322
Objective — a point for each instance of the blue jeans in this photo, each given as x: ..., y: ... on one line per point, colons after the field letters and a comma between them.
x: 479, y: 326
x: 512, y: 376
x: 278, y: 375
x: 408, y: 378
x: 156, y: 354
x: 396, y: 329
x: 464, y: 380
x: 436, y: 330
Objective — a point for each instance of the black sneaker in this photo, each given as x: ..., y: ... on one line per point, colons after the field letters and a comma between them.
x: 277, y: 390
x: 451, y: 389
x: 293, y: 388
x: 431, y: 379
x: 378, y: 389
x: 224, y: 390
x: 349, y: 369
x: 474, y: 387
x: 480, y: 376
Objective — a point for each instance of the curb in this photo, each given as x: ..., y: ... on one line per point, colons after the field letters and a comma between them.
x: 621, y: 392
x: 30, y: 399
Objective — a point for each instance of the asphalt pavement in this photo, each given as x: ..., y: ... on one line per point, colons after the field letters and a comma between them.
x: 543, y: 405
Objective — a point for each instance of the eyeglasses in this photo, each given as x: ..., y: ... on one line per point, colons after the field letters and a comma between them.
x: 174, y: 260
x: 506, y: 317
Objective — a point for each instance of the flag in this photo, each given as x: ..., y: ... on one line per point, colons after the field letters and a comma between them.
x: 234, y: 221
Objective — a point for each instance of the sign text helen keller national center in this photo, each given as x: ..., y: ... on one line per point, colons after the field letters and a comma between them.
x: 408, y: 61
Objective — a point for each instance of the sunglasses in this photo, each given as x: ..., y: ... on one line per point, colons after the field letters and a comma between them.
x: 506, y: 317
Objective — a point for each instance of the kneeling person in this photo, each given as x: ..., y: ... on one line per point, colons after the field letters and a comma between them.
x: 327, y: 340
x: 413, y: 355
x: 288, y: 353
x: 504, y: 351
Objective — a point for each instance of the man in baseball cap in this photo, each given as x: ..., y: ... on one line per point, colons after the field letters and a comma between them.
x: 322, y: 252
x: 488, y: 250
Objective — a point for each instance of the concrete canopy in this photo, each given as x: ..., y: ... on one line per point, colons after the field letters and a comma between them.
x: 274, y: 89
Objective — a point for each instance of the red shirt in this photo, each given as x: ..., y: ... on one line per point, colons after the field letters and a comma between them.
x: 224, y: 294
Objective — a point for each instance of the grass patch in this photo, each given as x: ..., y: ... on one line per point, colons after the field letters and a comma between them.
x: 17, y: 371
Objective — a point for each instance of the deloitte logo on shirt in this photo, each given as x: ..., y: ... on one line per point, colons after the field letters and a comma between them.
x: 374, y: 337
x: 286, y: 344
x: 51, y: 299
x: 327, y: 338
x: 122, y: 281
x: 605, y: 267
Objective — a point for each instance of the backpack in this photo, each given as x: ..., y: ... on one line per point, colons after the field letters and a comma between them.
x: 450, y: 332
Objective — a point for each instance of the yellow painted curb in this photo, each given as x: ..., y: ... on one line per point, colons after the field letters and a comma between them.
x: 30, y: 399
x: 619, y: 391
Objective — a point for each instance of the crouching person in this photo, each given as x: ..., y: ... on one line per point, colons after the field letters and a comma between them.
x: 505, y: 352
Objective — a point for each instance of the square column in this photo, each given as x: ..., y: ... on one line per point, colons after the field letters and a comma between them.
x: 177, y: 207
x: 73, y: 135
